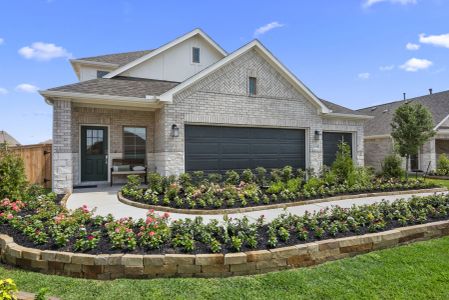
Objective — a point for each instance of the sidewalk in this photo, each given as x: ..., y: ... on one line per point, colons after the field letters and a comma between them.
x: 106, y: 202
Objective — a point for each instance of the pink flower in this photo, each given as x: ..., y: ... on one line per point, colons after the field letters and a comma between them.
x: 166, y: 215
x: 151, y: 233
x: 90, y: 237
x: 117, y: 230
x: 9, y: 216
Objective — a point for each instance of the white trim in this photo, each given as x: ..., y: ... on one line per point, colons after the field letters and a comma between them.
x: 79, y: 153
x: 75, y: 63
x: 166, y: 47
x: 441, y: 123
x: 348, y: 116
x: 255, y: 44
x: 148, y: 101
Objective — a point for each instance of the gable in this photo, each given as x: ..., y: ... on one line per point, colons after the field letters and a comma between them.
x: 175, y: 63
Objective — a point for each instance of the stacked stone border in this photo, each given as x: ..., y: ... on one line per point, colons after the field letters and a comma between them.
x: 126, y: 201
x: 111, y: 266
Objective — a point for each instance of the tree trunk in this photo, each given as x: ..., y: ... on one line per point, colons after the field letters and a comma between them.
x: 407, y: 158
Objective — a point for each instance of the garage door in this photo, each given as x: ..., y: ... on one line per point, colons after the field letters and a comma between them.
x: 219, y: 148
x: 330, y: 145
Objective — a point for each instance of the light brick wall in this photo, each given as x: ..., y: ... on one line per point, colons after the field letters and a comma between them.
x: 62, y: 153
x: 221, y: 98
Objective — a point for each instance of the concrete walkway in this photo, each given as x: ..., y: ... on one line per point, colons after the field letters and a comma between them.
x: 104, y: 199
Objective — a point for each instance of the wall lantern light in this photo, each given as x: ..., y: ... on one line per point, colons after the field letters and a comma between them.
x: 174, y: 130
x: 317, y: 134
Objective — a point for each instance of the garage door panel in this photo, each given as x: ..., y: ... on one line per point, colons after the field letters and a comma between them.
x: 239, y: 148
x: 330, y: 145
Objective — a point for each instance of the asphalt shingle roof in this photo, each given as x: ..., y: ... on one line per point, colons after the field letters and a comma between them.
x: 8, y: 139
x: 340, y: 109
x: 119, y: 86
x: 120, y: 59
x: 437, y: 103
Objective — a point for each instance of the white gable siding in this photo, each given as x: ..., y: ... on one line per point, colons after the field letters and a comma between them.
x: 175, y: 64
x: 88, y: 73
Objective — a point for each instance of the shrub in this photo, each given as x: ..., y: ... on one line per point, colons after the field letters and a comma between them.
x: 185, y: 180
x: 12, y: 175
x: 343, y: 164
x: 287, y: 173
x: 8, y: 289
x: 276, y: 175
x: 232, y: 177
x: 392, y: 167
x: 198, y: 177
x: 155, y: 182
x: 261, y: 174
x: 247, y: 176
x: 312, y: 184
x: 360, y: 176
x: 443, y: 165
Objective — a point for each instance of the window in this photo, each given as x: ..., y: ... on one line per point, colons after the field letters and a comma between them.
x: 134, y: 142
x: 252, y: 86
x: 196, y: 55
x: 100, y: 74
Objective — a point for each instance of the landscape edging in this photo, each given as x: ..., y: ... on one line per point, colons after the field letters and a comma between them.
x: 111, y: 266
x: 188, y: 211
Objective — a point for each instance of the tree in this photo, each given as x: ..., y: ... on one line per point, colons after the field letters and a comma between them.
x: 412, y: 126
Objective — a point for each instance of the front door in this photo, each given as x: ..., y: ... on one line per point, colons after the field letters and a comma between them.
x: 94, y: 153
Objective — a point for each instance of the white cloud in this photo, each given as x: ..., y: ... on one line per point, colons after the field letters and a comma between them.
x: 2, y: 41
x: 43, y: 51
x: 368, y: 3
x: 364, y: 76
x: 441, y: 40
x: 265, y: 28
x: 412, y: 47
x: 386, y: 68
x: 3, y: 91
x: 27, y: 88
x: 416, y: 64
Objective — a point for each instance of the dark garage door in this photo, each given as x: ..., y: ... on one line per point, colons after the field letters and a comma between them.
x: 330, y: 145
x: 219, y: 148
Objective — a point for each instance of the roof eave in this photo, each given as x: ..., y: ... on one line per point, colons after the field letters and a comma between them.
x: 149, y: 100
x: 348, y: 116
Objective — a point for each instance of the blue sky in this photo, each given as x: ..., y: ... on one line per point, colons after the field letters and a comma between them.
x: 354, y: 52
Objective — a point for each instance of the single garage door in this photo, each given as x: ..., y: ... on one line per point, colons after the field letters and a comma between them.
x: 218, y: 148
x: 330, y: 145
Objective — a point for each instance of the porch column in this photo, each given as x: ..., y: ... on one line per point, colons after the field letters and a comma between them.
x: 62, y: 179
x: 428, y: 154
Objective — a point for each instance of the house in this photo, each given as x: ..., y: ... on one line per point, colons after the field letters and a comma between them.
x: 378, y: 141
x: 189, y: 105
x: 6, y: 138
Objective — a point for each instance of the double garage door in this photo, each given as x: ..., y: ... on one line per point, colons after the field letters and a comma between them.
x: 216, y: 149
x: 219, y: 148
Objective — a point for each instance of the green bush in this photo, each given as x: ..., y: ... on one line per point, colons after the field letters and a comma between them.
x: 360, y: 176
x: 12, y: 175
x: 392, y: 167
x: 247, y: 176
x: 232, y: 177
x: 443, y: 165
x: 214, y: 177
x: 155, y: 181
x: 313, y: 184
x: 343, y: 164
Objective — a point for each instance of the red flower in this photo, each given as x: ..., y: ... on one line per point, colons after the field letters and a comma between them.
x: 90, y: 237
x: 151, y: 233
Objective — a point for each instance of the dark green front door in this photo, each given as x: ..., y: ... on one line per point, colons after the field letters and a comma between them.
x: 94, y: 153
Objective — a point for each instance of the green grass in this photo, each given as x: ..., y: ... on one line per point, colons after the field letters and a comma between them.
x: 440, y: 182
x: 418, y: 271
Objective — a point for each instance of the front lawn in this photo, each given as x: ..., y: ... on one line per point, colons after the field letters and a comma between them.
x: 419, y: 270
x: 439, y: 182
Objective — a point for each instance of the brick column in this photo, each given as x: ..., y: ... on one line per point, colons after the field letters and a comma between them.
x: 62, y: 147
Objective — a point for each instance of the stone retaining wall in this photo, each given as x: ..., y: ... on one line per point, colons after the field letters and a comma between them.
x: 111, y: 266
x: 268, y: 206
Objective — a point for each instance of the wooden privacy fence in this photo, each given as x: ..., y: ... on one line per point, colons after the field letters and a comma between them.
x: 37, y: 161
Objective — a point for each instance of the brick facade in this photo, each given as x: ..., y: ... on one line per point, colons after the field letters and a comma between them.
x: 220, y: 98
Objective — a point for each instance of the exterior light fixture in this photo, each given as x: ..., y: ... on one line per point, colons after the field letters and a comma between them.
x: 317, y: 134
x: 174, y: 130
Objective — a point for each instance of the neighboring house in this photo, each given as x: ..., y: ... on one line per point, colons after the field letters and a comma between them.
x: 8, y: 139
x: 189, y: 105
x: 379, y: 143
